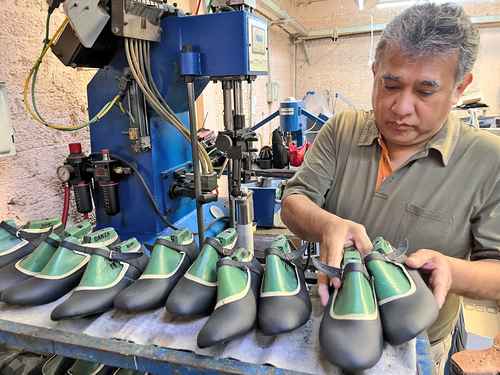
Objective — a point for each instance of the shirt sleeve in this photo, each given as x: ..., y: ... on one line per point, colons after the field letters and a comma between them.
x: 316, y: 175
x: 486, y: 228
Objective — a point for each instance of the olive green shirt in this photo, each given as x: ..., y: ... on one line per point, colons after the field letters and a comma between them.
x: 446, y: 197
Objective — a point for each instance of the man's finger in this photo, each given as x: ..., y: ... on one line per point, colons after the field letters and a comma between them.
x: 361, y: 239
x: 419, y: 258
x: 324, y: 295
x: 335, y: 248
x: 440, y: 288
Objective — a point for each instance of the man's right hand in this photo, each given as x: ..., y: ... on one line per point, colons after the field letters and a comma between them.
x: 335, y: 235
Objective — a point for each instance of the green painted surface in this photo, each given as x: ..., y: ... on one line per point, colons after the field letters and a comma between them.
x: 35, y: 261
x: 227, y: 237
x: 232, y: 280
x: 103, y: 235
x: 79, y: 230
x: 43, y: 223
x: 3, y: 233
x: 63, y: 261
x: 101, y: 271
x: 389, y: 279
x: 182, y: 236
x: 164, y: 260
x: 7, y: 241
x: 355, y: 295
x: 205, y: 265
x: 279, y: 276
x: 382, y: 246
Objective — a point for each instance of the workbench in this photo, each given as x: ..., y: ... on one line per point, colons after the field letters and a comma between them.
x: 150, y: 342
x: 68, y: 339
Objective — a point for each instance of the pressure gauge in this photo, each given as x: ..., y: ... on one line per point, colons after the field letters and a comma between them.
x: 64, y: 173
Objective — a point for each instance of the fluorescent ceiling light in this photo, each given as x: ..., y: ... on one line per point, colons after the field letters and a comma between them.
x: 395, y: 4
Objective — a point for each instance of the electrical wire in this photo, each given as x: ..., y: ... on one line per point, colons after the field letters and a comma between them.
x: 197, y: 8
x: 147, y: 190
x: 139, y: 60
x: 30, y: 86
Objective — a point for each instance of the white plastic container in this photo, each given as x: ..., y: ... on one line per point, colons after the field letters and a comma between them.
x: 7, y: 147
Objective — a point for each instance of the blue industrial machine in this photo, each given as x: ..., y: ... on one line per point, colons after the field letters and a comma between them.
x: 147, y: 169
x: 292, y: 119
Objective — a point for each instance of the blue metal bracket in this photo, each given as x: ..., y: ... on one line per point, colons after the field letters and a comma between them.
x: 312, y: 117
x: 265, y: 121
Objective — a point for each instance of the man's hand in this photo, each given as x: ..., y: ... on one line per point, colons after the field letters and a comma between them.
x: 438, y: 266
x: 336, y: 235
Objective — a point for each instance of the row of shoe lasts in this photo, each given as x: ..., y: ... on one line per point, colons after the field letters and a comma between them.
x: 58, y: 365
x: 382, y: 300
x: 103, y: 273
x: 379, y: 299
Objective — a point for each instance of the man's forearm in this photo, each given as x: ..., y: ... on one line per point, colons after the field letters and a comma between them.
x: 478, y: 279
x: 304, y: 218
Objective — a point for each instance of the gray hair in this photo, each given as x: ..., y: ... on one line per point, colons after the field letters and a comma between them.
x: 432, y: 29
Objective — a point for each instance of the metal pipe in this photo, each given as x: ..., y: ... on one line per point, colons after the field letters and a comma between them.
x: 244, y: 226
x: 238, y: 98
x: 196, y: 161
x: 227, y: 87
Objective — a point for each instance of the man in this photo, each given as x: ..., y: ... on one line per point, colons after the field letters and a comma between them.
x: 410, y: 170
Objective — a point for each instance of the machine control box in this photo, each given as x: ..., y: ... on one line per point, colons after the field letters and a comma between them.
x: 230, y: 44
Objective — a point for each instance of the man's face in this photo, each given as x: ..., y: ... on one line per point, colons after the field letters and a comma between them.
x: 413, y: 96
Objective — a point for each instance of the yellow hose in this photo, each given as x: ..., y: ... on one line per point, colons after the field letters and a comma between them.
x: 26, y: 93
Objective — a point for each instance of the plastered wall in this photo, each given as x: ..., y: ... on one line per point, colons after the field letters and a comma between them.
x: 343, y: 65
x: 28, y: 187
x: 28, y: 184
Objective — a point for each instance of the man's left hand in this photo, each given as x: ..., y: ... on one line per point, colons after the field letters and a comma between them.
x: 438, y: 266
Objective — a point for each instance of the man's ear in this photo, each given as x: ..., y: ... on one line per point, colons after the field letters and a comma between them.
x: 460, y: 88
x: 374, y: 68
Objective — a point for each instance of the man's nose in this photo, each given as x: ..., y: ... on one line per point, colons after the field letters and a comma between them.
x: 403, y: 104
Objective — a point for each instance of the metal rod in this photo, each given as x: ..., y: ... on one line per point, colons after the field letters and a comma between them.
x: 196, y: 161
x: 227, y: 87
x: 238, y: 98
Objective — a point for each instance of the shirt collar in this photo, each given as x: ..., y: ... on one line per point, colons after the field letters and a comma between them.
x: 444, y: 141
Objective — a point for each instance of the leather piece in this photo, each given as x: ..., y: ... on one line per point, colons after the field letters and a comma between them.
x: 405, y: 318
x: 280, y: 314
x: 83, y: 303
x: 19, y: 253
x: 37, y: 291
x: 147, y: 294
x: 352, y: 345
x: 233, y: 319
x: 10, y: 275
x: 190, y: 298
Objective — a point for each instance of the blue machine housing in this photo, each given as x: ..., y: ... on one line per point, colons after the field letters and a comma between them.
x: 228, y: 43
x: 222, y: 53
